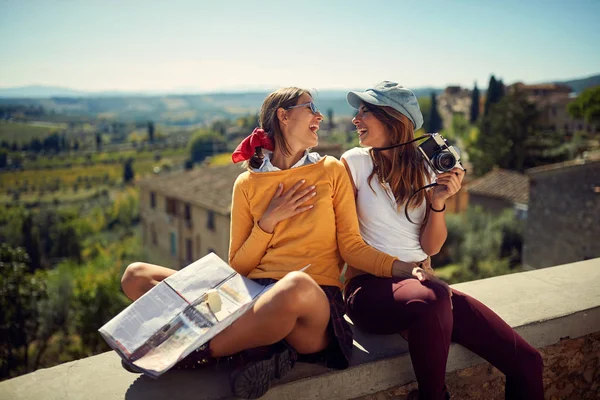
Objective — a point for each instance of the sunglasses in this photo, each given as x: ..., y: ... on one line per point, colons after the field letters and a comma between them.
x: 312, y: 106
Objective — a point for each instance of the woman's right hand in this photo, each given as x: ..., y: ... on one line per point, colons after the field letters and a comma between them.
x: 422, y: 275
x: 286, y: 205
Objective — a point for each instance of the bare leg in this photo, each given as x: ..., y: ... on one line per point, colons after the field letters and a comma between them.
x: 295, y: 309
x: 140, y: 277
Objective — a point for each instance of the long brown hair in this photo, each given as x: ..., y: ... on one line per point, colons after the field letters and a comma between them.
x: 404, y: 170
x: 268, y: 121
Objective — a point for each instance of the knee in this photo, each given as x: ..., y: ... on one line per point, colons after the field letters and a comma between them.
x: 439, y: 301
x: 134, y: 276
x: 300, y: 290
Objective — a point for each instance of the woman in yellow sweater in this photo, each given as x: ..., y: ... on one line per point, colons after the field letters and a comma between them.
x: 290, y: 209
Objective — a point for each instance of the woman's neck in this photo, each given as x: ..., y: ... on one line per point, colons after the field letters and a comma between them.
x: 281, y: 161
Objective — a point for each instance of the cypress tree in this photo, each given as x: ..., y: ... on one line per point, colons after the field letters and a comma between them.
x: 435, y: 121
x: 128, y: 173
x: 491, y: 97
x: 151, y: 131
x: 474, y: 105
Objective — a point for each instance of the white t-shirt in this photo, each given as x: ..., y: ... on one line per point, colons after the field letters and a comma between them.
x: 383, y: 224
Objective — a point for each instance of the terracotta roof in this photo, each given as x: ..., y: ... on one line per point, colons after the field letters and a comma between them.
x: 206, y: 187
x: 544, y: 86
x: 502, y: 184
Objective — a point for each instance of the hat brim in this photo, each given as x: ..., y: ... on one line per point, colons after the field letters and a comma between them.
x: 355, y: 99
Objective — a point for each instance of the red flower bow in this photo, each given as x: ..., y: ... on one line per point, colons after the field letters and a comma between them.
x: 246, y: 149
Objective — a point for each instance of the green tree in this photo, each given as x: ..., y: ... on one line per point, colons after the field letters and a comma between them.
x: 481, y: 245
x: 20, y: 296
x: 460, y: 126
x: 435, y: 121
x: 220, y: 126
x: 587, y: 106
x: 206, y: 143
x: 474, y: 115
x: 128, y: 173
x: 508, y: 138
x: 494, y: 93
x: 3, y: 158
x: 98, y: 142
x: 425, y: 106
x: 151, y: 131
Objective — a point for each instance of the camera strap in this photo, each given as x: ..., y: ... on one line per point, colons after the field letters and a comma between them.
x: 401, y: 144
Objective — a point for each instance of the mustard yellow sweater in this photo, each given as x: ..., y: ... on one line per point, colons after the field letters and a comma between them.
x: 323, y: 236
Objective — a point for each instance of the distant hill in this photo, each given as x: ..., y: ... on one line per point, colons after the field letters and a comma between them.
x: 166, y: 109
x: 178, y: 109
x: 38, y: 91
x: 579, y: 85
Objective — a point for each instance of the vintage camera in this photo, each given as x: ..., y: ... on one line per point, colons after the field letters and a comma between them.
x: 439, y: 155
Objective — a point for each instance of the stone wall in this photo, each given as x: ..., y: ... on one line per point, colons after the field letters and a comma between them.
x: 571, y: 372
x: 562, y: 221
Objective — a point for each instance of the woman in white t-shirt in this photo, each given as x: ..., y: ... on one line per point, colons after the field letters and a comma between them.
x: 421, y: 307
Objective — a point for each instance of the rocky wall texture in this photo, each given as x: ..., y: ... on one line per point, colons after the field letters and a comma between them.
x: 571, y: 372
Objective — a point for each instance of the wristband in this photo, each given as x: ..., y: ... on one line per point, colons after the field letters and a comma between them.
x: 434, y: 210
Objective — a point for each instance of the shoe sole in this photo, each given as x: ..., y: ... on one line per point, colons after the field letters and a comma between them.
x: 130, y: 368
x: 254, y: 380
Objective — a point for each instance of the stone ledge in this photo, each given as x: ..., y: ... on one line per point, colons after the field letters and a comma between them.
x: 542, y: 305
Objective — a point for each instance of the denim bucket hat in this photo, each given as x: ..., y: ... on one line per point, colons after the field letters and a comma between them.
x: 390, y: 94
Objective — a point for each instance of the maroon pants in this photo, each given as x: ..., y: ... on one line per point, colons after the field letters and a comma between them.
x: 393, y: 305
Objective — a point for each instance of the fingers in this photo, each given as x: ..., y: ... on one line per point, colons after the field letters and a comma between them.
x: 451, y: 181
x: 459, y: 172
x: 293, y: 189
x: 302, y: 209
x: 279, y: 190
x: 309, y: 194
x: 303, y: 195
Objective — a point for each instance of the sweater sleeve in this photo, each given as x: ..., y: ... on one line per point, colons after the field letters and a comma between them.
x: 353, y: 248
x: 248, y: 242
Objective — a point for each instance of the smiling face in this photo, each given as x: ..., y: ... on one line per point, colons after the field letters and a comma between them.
x: 371, y: 131
x: 300, y: 124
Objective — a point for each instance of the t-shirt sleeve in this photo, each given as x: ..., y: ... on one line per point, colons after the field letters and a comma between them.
x: 355, y: 159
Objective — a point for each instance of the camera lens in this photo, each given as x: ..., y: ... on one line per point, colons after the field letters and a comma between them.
x: 444, y: 161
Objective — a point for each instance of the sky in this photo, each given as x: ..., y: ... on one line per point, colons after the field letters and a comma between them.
x: 230, y: 45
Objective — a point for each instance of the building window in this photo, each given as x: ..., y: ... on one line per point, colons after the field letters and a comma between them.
x: 198, y: 245
x: 553, y: 111
x: 171, y: 206
x: 153, y: 235
x: 173, y: 244
x: 188, y: 215
x: 210, y: 221
x: 188, y: 250
x: 521, y: 211
x: 152, y: 200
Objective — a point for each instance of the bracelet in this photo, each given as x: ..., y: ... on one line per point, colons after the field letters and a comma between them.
x: 433, y: 209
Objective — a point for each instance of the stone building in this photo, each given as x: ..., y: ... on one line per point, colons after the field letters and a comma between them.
x: 551, y: 101
x: 563, y: 224
x: 500, y: 189
x: 185, y: 215
x: 454, y: 100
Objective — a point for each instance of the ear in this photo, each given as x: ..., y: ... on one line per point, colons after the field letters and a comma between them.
x: 282, y: 115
